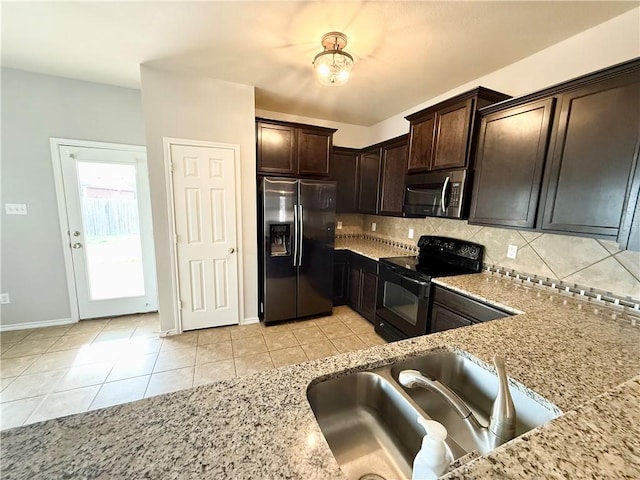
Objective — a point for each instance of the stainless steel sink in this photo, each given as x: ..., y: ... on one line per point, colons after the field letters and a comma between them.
x: 369, y: 426
x: 369, y: 419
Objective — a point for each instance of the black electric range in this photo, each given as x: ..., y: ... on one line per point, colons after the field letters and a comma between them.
x: 404, y: 283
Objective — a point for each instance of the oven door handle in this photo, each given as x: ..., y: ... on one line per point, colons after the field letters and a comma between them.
x: 418, y: 288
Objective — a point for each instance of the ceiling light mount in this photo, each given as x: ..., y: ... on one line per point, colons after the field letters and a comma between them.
x: 333, y: 65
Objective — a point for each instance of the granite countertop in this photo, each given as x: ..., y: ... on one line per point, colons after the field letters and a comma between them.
x: 371, y: 249
x: 585, y: 360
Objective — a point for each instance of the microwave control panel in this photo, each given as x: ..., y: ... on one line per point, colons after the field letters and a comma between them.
x: 454, y: 196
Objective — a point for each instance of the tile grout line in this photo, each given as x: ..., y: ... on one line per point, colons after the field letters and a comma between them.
x: 614, y: 255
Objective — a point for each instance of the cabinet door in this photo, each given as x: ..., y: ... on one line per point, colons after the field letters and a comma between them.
x: 340, y: 285
x: 444, y: 319
x: 451, y: 135
x: 313, y: 153
x: 510, y: 158
x: 393, y: 168
x: 368, y: 173
x: 344, y: 171
x: 276, y: 149
x: 420, y: 145
x: 368, y: 298
x: 594, y: 154
x: 354, y: 287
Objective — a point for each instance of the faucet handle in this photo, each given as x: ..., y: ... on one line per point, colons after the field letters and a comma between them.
x: 503, y: 412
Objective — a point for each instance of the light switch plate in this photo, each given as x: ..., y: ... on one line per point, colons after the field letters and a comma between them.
x: 4, y: 298
x: 339, y: 227
x: 373, y: 227
x: 15, y: 208
x: 512, y: 251
x: 411, y: 233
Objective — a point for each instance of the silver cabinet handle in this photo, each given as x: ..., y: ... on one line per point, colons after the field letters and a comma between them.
x: 231, y: 250
x: 76, y: 245
x: 444, y: 191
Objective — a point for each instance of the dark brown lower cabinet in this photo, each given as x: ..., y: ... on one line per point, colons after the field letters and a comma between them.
x: 340, y: 277
x: 452, y: 310
x: 444, y: 319
x: 363, y: 285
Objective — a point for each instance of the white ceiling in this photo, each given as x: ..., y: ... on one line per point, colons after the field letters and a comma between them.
x: 405, y: 52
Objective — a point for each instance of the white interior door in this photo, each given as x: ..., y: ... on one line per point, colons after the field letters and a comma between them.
x: 204, y: 198
x: 108, y: 208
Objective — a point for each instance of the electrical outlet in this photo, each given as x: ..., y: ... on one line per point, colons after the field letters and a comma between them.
x: 373, y: 227
x: 411, y: 233
x: 4, y: 298
x: 339, y: 227
x: 15, y: 208
x: 512, y: 251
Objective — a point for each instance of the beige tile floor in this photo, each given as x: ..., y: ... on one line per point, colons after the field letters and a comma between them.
x: 56, y: 371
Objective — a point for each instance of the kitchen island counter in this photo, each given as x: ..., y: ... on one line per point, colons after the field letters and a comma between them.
x: 583, y: 358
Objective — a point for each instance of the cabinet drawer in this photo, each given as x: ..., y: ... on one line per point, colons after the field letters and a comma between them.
x: 472, y: 309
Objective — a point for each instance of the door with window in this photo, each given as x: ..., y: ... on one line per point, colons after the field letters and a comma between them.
x: 110, y: 238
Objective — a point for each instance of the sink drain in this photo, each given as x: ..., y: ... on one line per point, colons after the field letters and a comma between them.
x: 371, y: 476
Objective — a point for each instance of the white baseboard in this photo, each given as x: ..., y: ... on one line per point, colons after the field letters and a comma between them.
x: 250, y: 320
x: 44, y: 323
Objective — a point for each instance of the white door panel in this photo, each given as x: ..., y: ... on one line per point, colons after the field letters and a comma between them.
x: 108, y: 210
x: 205, y: 212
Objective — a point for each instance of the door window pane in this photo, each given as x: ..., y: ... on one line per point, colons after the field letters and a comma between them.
x: 113, y: 250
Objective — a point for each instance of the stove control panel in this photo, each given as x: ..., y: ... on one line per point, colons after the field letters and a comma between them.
x: 452, y: 246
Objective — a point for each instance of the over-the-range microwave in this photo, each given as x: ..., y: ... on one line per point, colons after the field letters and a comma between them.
x: 435, y: 194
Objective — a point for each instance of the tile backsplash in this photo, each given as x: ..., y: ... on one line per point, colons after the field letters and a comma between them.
x: 584, y: 261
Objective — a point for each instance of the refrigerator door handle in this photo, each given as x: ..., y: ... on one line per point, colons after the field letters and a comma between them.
x: 301, y: 220
x: 295, y: 235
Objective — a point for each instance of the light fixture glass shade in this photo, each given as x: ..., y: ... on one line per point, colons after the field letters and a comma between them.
x: 333, y: 66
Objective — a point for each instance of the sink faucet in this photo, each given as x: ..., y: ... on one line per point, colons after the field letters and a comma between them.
x: 501, y: 427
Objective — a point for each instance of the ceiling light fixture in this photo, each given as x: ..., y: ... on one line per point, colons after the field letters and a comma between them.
x: 333, y: 65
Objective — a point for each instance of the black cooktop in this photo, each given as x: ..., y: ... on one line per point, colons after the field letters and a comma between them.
x: 441, y: 256
x: 429, y: 268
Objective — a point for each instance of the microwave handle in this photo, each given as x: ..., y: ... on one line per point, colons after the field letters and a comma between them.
x: 444, y: 193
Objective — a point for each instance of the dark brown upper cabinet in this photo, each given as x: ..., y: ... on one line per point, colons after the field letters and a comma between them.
x: 371, y: 180
x: 451, y: 136
x: 512, y: 146
x: 440, y: 135
x: 593, y: 157
x: 292, y: 149
x: 368, y: 181
x: 344, y: 170
x: 421, y: 143
x: 392, y: 172
x: 581, y: 178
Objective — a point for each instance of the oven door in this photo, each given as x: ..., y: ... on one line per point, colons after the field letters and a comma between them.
x: 403, y: 300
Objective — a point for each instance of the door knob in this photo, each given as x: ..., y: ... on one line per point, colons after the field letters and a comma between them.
x: 76, y: 245
x: 76, y: 233
x: 231, y: 250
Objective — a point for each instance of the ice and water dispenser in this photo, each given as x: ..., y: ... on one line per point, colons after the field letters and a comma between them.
x: 280, y: 239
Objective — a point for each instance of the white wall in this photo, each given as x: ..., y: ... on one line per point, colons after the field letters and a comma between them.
x: 208, y: 110
x: 34, y: 108
x: 348, y: 135
x: 611, y: 42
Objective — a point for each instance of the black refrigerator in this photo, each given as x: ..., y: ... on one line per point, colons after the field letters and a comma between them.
x: 296, y: 235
